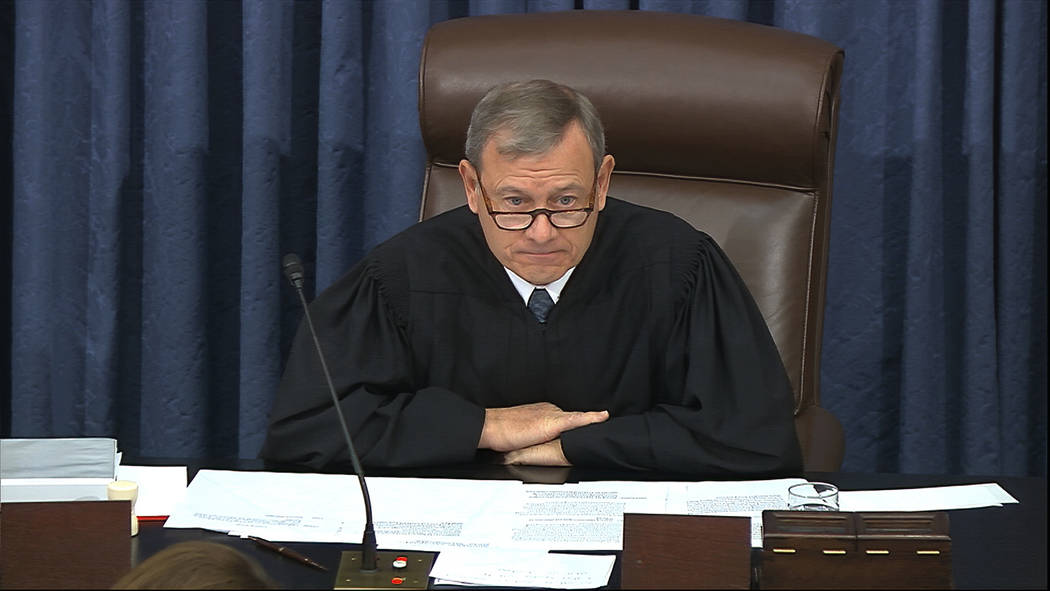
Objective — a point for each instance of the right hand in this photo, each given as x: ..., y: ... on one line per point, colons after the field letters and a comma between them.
x: 516, y: 427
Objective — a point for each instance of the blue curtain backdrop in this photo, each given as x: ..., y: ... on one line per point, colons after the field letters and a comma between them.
x: 162, y: 155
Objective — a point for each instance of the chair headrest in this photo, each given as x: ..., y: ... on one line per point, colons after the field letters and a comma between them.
x: 679, y: 94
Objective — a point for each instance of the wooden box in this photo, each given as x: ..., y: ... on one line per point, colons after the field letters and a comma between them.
x: 873, y: 550
x: 64, y: 544
x: 685, y: 552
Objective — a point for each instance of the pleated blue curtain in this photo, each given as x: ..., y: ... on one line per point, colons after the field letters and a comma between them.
x: 936, y: 310
x: 165, y: 154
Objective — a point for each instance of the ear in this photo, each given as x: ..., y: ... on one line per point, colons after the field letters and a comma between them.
x: 604, y: 178
x: 470, y: 175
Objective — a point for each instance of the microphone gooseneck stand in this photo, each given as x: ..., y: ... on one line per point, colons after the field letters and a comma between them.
x: 369, y: 568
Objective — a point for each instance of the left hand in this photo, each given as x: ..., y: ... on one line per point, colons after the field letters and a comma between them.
x: 543, y: 454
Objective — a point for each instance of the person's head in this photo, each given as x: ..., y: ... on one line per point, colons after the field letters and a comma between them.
x: 197, y: 565
x: 536, y: 145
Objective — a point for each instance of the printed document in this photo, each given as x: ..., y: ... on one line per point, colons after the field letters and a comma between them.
x: 583, y: 516
x: 746, y: 498
x: 442, y: 514
x: 408, y: 513
x: 522, y: 568
x: 438, y: 514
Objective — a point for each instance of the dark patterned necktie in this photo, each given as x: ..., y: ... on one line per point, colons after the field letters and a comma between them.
x: 540, y: 304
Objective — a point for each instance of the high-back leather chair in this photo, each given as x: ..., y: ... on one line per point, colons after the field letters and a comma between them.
x: 729, y: 125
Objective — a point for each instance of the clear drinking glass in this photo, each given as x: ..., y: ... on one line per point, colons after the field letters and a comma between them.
x: 813, y: 496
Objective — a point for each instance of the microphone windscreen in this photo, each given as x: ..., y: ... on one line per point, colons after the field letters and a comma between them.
x: 293, y: 269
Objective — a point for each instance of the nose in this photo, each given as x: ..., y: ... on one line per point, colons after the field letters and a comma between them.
x: 541, y: 230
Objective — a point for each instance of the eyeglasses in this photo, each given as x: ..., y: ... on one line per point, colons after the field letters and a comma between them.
x: 559, y: 218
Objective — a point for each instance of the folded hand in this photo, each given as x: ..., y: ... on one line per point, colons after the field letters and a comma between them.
x: 544, y: 454
x: 518, y: 427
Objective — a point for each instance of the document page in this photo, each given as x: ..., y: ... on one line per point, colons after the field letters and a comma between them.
x: 522, y: 568
x: 583, y: 516
x: 937, y: 498
x: 438, y: 514
x: 271, y: 505
x: 161, y: 488
x: 741, y: 499
x: 408, y: 513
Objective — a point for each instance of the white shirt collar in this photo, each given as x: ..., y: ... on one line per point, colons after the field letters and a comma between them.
x: 525, y: 288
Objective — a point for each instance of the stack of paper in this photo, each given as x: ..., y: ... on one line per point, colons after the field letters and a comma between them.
x: 70, y: 469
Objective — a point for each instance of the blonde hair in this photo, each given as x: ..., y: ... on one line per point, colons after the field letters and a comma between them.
x: 197, y: 565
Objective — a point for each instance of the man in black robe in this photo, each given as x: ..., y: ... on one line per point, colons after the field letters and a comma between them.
x: 545, y: 321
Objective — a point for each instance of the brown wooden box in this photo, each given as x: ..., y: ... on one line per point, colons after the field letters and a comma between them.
x: 685, y: 552
x: 873, y: 550
x: 64, y: 544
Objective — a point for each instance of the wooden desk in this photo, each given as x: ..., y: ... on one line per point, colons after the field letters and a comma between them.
x: 993, y: 548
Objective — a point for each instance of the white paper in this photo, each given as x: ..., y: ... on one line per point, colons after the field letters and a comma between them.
x: 522, y: 568
x: 276, y: 506
x: 747, y: 498
x: 22, y: 490
x: 161, y: 488
x: 583, y: 516
x: 439, y: 514
x: 938, y: 498
x: 446, y: 514
x: 408, y: 513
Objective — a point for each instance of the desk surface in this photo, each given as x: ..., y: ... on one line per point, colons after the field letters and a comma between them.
x: 993, y: 548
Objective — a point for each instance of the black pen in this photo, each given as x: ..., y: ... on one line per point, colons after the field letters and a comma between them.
x: 286, y: 551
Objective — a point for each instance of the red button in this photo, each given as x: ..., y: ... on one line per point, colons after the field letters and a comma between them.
x: 397, y: 580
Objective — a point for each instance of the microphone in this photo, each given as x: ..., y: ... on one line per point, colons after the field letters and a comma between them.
x: 368, y: 569
x: 293, y: 270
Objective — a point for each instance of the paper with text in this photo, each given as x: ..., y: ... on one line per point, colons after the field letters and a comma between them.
x: 442, y: 514
x: 522, y: 568
x: 747, y: 498
x: 438, y: 514
x: 408, y: 513
x: 582, y: 516
x: 271, y: 505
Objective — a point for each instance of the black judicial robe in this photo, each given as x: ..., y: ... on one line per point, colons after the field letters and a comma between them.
x: 654, y: 325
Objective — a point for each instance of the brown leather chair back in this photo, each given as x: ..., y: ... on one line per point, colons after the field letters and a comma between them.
x: 727, y: 124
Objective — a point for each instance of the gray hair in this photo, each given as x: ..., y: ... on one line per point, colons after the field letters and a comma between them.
x: 535, y: 114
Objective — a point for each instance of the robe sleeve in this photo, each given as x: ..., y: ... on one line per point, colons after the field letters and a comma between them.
x: 730, y: 405
x: 392, y: 421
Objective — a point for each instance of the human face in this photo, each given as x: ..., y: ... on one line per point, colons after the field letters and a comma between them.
x: 562, y: 177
